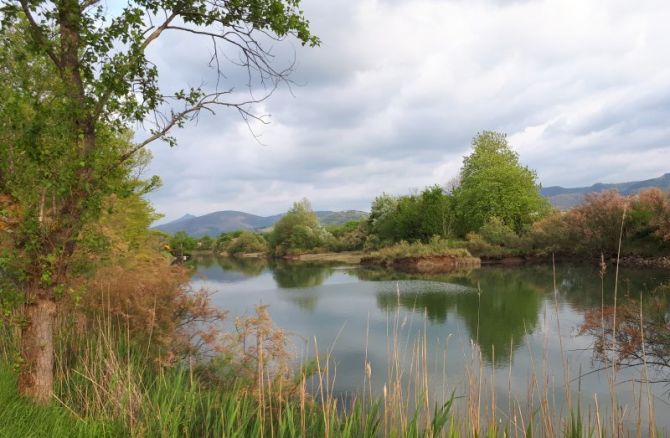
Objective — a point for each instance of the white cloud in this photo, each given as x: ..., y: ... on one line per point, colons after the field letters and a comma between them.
x: 398, y: 89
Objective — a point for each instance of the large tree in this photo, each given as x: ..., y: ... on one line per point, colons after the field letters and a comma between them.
x: 73, y: 81
x: 494, y: 184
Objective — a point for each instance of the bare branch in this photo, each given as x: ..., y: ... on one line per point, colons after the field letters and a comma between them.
x: 206, y: 103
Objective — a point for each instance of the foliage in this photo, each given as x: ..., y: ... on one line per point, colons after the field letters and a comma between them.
x: 247, y: 243
x: 298, y: 231
x: 349, y: 236
x: 496, y: 232
x: 494, y: 184
x: 595, y: 226
x: 553, y: 234
x: 599, y: 221
x: 411, y: 218
x: 224, y: 239
x: 435, y: 247
x: 205, y: 243
x: 382, y: 219
x: 181, y: 243
x: 73, y: 81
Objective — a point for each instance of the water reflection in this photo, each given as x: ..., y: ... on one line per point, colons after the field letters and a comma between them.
x: 300, y: 275
x: 498, y: 309
x: 497, y: 306
x: 228, y: 269
x: 250, y: 267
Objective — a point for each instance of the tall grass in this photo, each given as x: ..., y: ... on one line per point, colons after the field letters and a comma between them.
x: 114, y: 391
x: 108, y: 384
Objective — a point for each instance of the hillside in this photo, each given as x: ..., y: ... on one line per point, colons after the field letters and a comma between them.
x: 565, y: 198
x: 213, y: 224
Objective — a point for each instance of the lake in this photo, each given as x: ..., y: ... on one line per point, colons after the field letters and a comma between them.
x: 505, y: 328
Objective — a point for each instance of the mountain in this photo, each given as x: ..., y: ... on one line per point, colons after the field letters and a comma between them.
x: 213, y: 224
x: 565, y: 198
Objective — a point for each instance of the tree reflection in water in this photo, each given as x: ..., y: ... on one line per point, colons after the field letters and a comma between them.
x: 498, y: 307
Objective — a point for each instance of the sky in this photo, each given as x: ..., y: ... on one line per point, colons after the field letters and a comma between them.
x: 392, y: 98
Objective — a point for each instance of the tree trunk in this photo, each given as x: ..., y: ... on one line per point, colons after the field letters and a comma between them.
x: 37, y: 351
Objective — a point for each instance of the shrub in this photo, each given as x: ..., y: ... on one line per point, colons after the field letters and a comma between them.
x: 497, y: 233
x: 298, y: 231
x: 436, y: 247
x: 247, y: 243
x: 554, y: 234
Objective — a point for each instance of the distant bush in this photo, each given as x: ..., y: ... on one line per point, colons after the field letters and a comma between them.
x: 595, y: 226
x: 247, y: 243
x: 350, y: 236
x: 553, y: 234
x: 224, y: 239
x: 436, y: 247
x: 496, y: 232
x: 299, y: 231
x: 182, y: 243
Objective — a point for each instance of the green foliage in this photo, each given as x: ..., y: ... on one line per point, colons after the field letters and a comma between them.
x: 435, y: 247
x: 349, y: 236
x: 382, y: 219
x: 205, y: 243
x: 298, y: 231
x: 494, y: 183
x: 181, y: 243
x: 496, y: 232
x: 224, y: 240
x: 247, y: 243
x: 412, y: 218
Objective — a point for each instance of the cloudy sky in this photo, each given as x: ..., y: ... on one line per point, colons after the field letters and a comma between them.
x: 398, y: 88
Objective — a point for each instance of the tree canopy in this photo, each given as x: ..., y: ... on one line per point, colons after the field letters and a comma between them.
x: 494, y: 184
x: 298, y: 230
x: 74, y: 80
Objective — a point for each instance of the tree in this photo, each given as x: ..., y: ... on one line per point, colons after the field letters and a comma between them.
x: 494, y: 184
x: 181, y: 243
x: 298, y: 230
x: 73, y: 82
x: 382, y: 219
x: 247, y: 243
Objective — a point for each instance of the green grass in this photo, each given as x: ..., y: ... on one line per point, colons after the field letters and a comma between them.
x: 21, y: 418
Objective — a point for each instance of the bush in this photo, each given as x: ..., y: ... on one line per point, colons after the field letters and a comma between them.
x: 436, y: 247
x: 554, y: 234
x: 350, y: 236
x: 496, y: 232
x: 299, y: 231
x: 247, y: 243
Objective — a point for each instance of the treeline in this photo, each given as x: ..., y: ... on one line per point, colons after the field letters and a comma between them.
x: 494, y: 209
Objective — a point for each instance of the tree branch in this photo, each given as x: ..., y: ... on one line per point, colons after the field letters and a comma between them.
x: 102, y: 101
x: 36, y: 30
x: 205, y: 103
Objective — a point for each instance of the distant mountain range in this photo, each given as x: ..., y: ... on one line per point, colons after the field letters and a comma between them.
x: 565, y: 198
x: 213, y: 224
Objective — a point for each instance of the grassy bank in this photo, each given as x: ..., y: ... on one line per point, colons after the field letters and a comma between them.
x: 116, y: 388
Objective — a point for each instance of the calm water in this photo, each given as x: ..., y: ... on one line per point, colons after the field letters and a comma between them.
x: 511, y: 313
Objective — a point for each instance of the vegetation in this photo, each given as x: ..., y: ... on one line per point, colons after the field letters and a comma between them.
x: 102, y: 332
x: 298, y: 231
x: 469, y: 216
x: 72, y: 82
x: 494, y: 184
x: 246, y: 243
x: 436, y: 247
